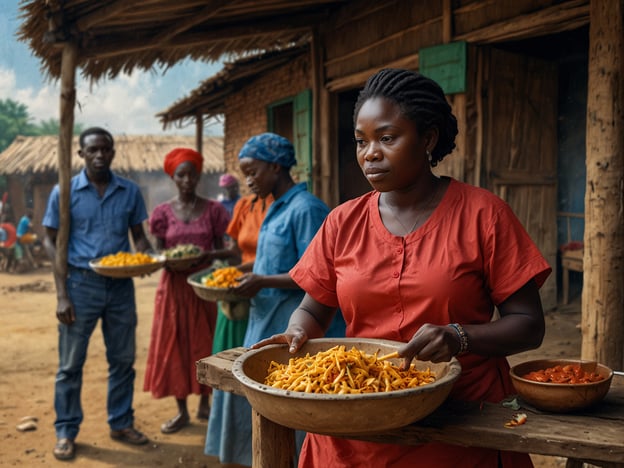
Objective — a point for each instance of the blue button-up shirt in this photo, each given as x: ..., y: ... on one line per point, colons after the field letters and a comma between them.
x: 288, y: 228
x: 98, y: 225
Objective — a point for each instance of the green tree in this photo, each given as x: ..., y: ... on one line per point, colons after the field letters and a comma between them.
x: 14, y: 120
x: 53, y: 126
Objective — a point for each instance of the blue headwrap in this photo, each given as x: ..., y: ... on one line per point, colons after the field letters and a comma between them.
x: 271, y: 148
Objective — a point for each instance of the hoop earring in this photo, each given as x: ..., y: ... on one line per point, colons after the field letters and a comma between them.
x: 429, y: 157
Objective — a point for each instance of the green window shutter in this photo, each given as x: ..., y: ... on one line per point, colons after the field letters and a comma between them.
x: 303, y: 136
x: 446, y: 64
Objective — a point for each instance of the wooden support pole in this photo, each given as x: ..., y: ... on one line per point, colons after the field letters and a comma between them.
x: 323, y: 131
x: 316, y: 61
x: 199, y: 132
x: 603, y: 278
x: 273, y: 445
x: 455, y: 166
x: 67, y: 103
x: 447, y: 21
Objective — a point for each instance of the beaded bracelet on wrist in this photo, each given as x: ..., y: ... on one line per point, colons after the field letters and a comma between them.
x: 463, y: 338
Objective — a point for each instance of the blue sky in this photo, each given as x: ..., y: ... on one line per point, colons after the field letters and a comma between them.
x: 125, y: 105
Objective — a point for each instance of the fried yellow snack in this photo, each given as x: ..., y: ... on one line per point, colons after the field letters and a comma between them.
x: 337, y: 371
x: 226, y: 277
x: 126, y: 259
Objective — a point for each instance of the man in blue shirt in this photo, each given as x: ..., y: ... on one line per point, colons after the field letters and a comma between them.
x: 103, y: 208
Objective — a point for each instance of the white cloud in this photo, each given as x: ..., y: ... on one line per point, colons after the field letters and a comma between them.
x: 122, y: 105
x: 125, y: 105
x: 42, y: 104
x: 7, y: 82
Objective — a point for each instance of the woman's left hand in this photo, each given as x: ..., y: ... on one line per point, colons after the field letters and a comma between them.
x: 294, y: 337
x: 433, y: 343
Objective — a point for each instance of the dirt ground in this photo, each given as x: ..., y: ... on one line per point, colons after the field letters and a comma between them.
x: 28, y: 365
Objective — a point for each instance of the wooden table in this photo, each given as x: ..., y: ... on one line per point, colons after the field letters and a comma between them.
x: 595, y: 436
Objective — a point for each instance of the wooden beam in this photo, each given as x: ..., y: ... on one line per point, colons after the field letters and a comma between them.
x: 396, y: 36
x: 66, y: 111
x: 447, y: 21
x: 602, y: 311
x: 101, y: 48
x: 106, y: 11
x: 211, y: 9
x: 358, y: 10
x: 357, y: 79
x: 558, y: 18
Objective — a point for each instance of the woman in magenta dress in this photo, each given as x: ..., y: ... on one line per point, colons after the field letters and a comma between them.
x: 183, y: 325
x: 424, y: 260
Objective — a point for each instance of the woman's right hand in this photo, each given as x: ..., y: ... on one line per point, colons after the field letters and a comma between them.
x: 294, y: 337
x: 248, y: 285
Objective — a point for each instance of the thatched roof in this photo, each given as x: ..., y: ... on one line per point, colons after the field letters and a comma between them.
x: 28, y: 155
x: 117, y: 36
x: 208, y: 98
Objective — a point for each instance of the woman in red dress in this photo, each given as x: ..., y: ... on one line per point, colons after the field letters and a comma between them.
x: 424, y: 260
x: 183, y: 325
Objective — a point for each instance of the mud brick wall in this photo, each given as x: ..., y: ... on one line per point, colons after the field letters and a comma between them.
x: 246, y: 110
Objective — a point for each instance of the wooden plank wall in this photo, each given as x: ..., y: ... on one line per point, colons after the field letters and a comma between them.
x: 369, y: 35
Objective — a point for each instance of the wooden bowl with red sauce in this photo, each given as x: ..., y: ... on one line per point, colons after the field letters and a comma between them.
x: 561, y: 385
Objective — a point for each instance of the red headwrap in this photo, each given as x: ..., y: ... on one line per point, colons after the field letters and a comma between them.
x: 178, y: 156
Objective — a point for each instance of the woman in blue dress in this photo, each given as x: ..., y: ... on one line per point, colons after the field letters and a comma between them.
x: 288, y: 228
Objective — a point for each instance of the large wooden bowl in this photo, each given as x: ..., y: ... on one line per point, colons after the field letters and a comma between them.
x: 341, y: 414
x: 556, y: 397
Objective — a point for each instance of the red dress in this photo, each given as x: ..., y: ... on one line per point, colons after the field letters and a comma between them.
x: 471, y: 254
x: 183, y: 324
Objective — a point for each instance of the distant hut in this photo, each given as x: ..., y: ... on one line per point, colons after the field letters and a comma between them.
x: 30, y: 165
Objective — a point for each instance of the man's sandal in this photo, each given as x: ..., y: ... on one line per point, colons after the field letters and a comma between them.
x: 65, y: 449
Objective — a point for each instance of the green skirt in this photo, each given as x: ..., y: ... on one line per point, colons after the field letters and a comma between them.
x: 228, y: 333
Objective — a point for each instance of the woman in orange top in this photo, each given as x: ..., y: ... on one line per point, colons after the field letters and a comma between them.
x: 424, y: 260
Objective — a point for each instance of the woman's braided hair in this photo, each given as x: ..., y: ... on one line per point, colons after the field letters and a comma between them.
x: 420, y: 99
